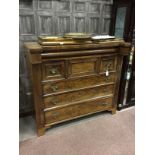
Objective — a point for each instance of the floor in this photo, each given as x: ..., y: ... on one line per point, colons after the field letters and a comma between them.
x: 100, y: 134
x: 27, y: 128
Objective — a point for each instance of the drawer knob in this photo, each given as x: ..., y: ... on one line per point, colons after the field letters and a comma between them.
x: 53, y: 71
x: 54, y: 88
x: 104, y: 103
x: 55, y: 113
x: 54, y: 101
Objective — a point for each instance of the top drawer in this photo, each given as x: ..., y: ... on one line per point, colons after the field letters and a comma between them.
x: 91, y: 65
x: 78, y: 67
x: 108, y: 63
x: 83, y: 66
x: 53, y: 70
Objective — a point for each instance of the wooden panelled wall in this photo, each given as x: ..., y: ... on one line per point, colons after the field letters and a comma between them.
x: 56, y: 17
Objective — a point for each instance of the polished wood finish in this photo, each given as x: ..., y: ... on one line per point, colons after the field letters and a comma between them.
x: 77, y: 83
x: 75, y: 110
x: 53, y: 70
x: 109, y: 64
x: 74, y: 81
x: 77, y: 95
x: 86, y: 66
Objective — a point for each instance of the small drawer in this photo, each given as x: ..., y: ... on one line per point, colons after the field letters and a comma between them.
x: 82, y: 66
x: 108, y: 64
x: 79, y: 95
x: 76, y: 110
x: 53, y: 70
x: 78, y: 83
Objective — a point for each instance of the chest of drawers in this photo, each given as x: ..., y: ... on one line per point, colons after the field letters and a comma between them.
x: 71, y: 81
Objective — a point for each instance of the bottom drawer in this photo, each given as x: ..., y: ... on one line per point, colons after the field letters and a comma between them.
x: 71, y: 111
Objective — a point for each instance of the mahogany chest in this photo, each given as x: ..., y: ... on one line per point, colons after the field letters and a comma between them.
x: 71, y: 81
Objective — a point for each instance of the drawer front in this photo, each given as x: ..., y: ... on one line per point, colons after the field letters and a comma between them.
x: 72, y: 84
x: 76, y: 110
x: 75, y: 96
x: 82, y: 66
x: 108, y: 63
x: 53, y: 70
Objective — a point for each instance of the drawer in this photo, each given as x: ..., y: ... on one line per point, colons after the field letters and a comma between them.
x: 82, y: 66
x: 72, y: 84
x: 76, y: 96
x: 108, y: 63
x: 53, y: 70
x: 69, y: 112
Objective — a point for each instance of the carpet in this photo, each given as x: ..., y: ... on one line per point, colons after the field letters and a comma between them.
x: 103, y: 135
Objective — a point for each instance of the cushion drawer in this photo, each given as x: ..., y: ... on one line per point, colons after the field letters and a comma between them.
x: 73, y: 84
x: 71, y: 111
x: 75, y: 96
